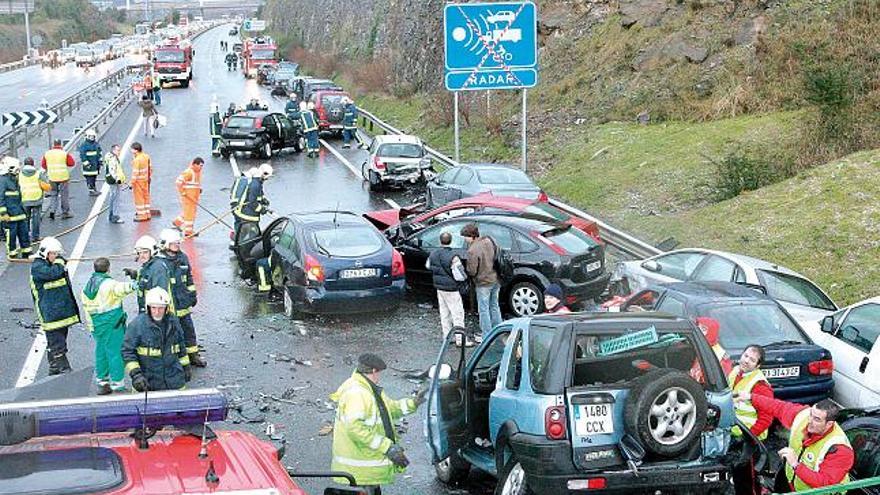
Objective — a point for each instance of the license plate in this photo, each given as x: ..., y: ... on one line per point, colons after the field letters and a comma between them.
x: 594, y: 419
x: 591, y: 267
x: 236, y: 143
x: 782, y: 372
x: 359, y: 273
x: 336, y: 127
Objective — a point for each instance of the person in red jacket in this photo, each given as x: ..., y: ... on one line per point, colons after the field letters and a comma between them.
x: 710, y: 328
x: 819, y: 453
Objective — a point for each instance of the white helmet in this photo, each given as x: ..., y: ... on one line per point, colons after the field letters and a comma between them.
x: 91, y: 134
x: 253, y: 172
x: 311, y: 105
x: 346, y: 100
x: 4, y: 166
x: 266, y: 170
x: 147, y: 243
x: 303, y: 106
x: 157, y: 296
x: 49, y: 245
x: 12, y: 165
x: 168, y: 236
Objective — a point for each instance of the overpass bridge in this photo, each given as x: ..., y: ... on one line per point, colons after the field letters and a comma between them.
x: 193, y: 5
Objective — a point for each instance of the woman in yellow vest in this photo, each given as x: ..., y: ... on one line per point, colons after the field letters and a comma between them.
x: 34, y: 184
x: 747, y: 377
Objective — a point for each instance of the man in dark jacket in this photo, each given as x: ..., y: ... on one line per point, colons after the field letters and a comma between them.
x: 481, y: 267
x: 154, y: 349
x: 90, y: 156
x: 183, y: 290
x: 252, y: 203
x: 12, y: 212
x: 448, y: 274
x: 54, y: 302
x: 153, y: 272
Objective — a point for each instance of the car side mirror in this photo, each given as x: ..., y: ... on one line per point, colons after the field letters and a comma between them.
x: 651, y: 266
x: 828, y: 324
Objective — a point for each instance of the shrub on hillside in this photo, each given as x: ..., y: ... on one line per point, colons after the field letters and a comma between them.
x: 746, y: 168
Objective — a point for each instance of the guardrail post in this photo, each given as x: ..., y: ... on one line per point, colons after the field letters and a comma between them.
x: 13, y: 149
x: 25, y: 135
x: 49, y: 132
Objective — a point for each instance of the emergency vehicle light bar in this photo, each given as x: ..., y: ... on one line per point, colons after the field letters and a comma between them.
x: 119, y: 412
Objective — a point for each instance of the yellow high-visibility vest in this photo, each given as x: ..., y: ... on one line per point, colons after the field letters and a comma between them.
x: 56, y: 165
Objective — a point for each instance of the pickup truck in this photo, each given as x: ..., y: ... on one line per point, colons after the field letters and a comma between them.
x: 602, y: 402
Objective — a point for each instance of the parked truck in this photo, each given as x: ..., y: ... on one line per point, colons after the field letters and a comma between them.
x: 256, y: 52
x: 173, y: 62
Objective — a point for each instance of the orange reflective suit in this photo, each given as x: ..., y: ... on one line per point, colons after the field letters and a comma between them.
x: 141, y: 172
x: 189, y: 188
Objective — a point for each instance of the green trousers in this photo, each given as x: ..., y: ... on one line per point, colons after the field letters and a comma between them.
x: 109, y: 367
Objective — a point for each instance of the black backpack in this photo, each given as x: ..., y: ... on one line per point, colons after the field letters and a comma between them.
x: 503, y: 262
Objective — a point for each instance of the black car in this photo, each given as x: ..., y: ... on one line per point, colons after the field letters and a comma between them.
x: 799, y: 370
x: 862, y: 427
x: 233, y: 32
x: 260, y: 133
x: 326, y: 262
x: 542, y: 252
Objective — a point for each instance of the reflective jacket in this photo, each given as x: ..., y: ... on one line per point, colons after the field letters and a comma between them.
x: 308, y: 121
x: 183, y: 289
x: 114, y: 174
x: 359, y: 438
x: 102, y: 302
x: 33, y: 184
x: 10, y: 198
x: 189, y: 184
x: 158, y: 349
x: 252, y: 203
x: 141, y: 168
x: 57, y: 164
x: 90, y: 157
x: 239, y: 186
x: 744, y: 410
x: 349, y: 116
x: 53, y: 296
x: 811, y: 455
x: 157, y: 83
x: 292, y: 110
x: 154, y: 273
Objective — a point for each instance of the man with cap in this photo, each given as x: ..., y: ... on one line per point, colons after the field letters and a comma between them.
x: 154, y: 350
x: 57, y: 164
x: 553, y: 300
x: 364, y: 436
x: 34, y: 185
x: 90, y: 159
x: 12, y: 212
x: 54, y: 302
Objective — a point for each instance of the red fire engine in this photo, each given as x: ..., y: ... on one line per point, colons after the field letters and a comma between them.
x: 173, y: 62
x: 256, y: 52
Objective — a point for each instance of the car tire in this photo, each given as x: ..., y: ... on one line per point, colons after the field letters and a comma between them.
x: 452, y: 470
x: 375, y: 181
x: 266, y: 150
x: 512, y: 480
x: 682, y: 405
x: 289, y: 310
x: 298, y: 144
x: 225, y: 152
x: 525, y: 299
x: 184, y: 84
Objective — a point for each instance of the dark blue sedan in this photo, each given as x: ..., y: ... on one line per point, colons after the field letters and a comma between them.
x: 799, y: 370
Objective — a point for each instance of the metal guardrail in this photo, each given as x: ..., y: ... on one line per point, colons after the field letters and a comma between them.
x: 622, y: 241
x: 839, y: 488
x: 18, y: 65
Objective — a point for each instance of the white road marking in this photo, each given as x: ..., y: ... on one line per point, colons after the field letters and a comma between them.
x: 392, y: 203
x: 341, y: 158
x: 234, y: 165
x: 38, y: 348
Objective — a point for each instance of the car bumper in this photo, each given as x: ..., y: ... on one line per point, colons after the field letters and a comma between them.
x: 182, y: 76
x: 321, y: 301
x: 584, y: 291
x: 808, y: 393
x: 401, y: 179
x: 549, y: 469
x: 233, y: 144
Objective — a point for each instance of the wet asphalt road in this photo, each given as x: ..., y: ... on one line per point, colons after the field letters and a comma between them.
x: 254, y: 352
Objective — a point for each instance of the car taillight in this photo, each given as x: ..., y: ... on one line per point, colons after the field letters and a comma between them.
x: 378, y: 163
x: 554, y: 422
x: 258, y: 123
x: 398, y: 269
x: 542, y: 197
x: 322, y: 113
x: 314, y: 270
x: 588, y: 484
x: 552, y: 245
x: 822, y: 367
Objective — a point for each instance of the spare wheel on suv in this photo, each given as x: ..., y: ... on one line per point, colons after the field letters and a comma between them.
x: 666, y: 411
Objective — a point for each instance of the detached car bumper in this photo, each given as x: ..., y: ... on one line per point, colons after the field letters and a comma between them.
x: 322, y: 301
x: 550, y: 470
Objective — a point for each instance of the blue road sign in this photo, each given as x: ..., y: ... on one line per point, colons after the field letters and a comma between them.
x: 491, y: 45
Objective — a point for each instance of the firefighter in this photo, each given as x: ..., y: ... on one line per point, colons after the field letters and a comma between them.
x: 264, y: 274
x: 54, y: 302
x: 115, y: 179
x: 57, y: 164
x: 90, y: 159
x: 189, y: 188
x: 153, y: 271
x: 349, y: 124
x: 153, y: 349
x: 231, y: 61
x: 141, y: 175
x: 252, y: 203
x: 183, y: 290
x: 291, y: 109
x: 216, y: 126
x: 309, y: 127
x: 102, y: 301
x: 34, y: 185
x: 12, y: 212
x: 239, y: 186
x: 365, y: 442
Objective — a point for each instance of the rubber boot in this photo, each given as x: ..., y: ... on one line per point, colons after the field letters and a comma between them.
x: 54, y: 368
x: 63, y: 363
x: 196, y: 360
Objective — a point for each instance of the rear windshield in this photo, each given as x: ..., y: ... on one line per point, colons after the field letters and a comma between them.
x: 240, y: 122
x: 65, y: 471
x: 759, y: 323
x: 328, y: 100
x: 400, y: 150
x: 573, y: 241
x: 503, y: 176
x: 795, y: 290
x: 546, y: 210
x: 347, y: 241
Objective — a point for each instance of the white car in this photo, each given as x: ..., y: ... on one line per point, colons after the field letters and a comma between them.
x: 803, y: 299
x: 851, y: 336
x: 396, y: 160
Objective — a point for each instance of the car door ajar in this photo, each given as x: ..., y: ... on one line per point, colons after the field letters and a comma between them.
x: 445, y: 418
x: 438, y: 189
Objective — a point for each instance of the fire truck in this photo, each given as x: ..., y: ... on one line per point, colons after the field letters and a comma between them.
x: 256, y: 52
x: 173, y: 62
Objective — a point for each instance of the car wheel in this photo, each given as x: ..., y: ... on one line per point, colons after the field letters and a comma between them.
x: 225, y: 152
x: 298, y: 144
x: 184, y: 84
x: 512, y: 480
x: 289, y: 310
x: 452, y: 470
x: 526, y: 299
x: 666, y: 411
x: 267, y: 150
x: 375, y: 181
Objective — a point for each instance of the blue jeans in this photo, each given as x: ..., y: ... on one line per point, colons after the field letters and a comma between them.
x: 487, y: 305
x: 157, y: 96
x: 114, y: 201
